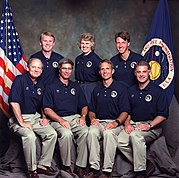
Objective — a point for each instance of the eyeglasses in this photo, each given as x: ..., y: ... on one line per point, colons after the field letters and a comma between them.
x: 65, y: 68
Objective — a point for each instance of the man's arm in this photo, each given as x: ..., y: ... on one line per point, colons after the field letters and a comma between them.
x: 153, y: 123
x: 93, y: 119
x: 127, y: 125
x: 55, y: 117
x: 82, y: 119
x: 17, y: 113
x: 120, y: 120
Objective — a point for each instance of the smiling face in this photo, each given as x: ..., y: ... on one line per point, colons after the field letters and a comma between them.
x: 106, y: 71
x: 142, y: 74
x: 47, y: 43
x: 35, y: 68
x: 86, y: 46
x: 65, y: 71
x: 122, y: 45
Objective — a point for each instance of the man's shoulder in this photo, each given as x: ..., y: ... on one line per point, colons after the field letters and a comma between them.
x: 133, y: 88
x: 74, y: 84
x: 155, y: 87
x: 21, y: 77
x: 120, y: 84
x: 55, y: 54
x: 136, y: 56
x: 113, y: 58
x: 37, y: 54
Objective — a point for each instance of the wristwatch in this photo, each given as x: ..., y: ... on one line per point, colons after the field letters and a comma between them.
x: 118, y: 122
x: 150, y: 125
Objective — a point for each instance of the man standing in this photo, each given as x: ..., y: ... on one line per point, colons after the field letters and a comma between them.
x: 149, y: 109
x: 27, y: 120
x: 108, y: 109
x: 124, y: 62
x: 65, y: 104
x: 49, y: 58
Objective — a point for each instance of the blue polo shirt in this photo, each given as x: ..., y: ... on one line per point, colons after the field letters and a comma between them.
x: 148, y: 103
x: 109, y: 103
x: 27, y: 94
x: 64, y: 100
x: 50, y: 70
x: 87, y: 67
x: 124, y: 70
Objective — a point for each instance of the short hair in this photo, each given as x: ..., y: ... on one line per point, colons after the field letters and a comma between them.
x: 87, y: 37
x: 124, y: 35
x: 47, y: 34
x: 107, y: 61
x: 142, y: 63
x: 65, y: 61
x: 32, y: 59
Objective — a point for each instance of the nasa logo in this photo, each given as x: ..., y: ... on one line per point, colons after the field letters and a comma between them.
x: 161, y: 62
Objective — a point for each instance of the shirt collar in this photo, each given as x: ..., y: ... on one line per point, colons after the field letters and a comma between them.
x: 147, y: 87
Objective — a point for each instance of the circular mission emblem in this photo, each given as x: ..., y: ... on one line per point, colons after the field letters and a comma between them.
x: 55, y: 64
x: 161, y: 62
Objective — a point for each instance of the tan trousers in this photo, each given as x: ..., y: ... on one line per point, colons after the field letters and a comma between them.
x: 133, y: 145
x: 66, y: 137
x: 47, y: 134
x: 109, y: 138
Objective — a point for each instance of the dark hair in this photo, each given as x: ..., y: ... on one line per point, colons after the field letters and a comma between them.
x: 47, y: 34
x: 107, y: 61
x: 65, y: 61
x: 124, y: 35
x: 142, y: 63
x: 32, y: 59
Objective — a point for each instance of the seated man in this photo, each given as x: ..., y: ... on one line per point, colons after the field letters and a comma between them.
x: 26, y: 121
x: 62, y: 102
x: 108, y: 109
x: 148, y: 109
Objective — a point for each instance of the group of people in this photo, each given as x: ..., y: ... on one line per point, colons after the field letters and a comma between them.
x: 124, y: 108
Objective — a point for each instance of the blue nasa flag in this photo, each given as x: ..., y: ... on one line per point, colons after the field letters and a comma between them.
x: 158, y: 50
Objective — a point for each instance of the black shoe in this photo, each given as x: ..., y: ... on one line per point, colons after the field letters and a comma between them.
x: 68, y: 170
x: 141, y: 174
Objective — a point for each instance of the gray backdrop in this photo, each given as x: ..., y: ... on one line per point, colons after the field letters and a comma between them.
x: 67, y: 19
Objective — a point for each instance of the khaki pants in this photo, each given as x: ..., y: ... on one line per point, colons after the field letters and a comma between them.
x: 133, y: 145
x: 66, y: 137
x: 96, y: 133
x: 47, y: 134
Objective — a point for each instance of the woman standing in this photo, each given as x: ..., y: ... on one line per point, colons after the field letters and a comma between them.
x: 87, y: 65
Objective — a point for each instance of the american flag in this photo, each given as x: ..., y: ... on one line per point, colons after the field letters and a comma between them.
x: 12, y: 59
